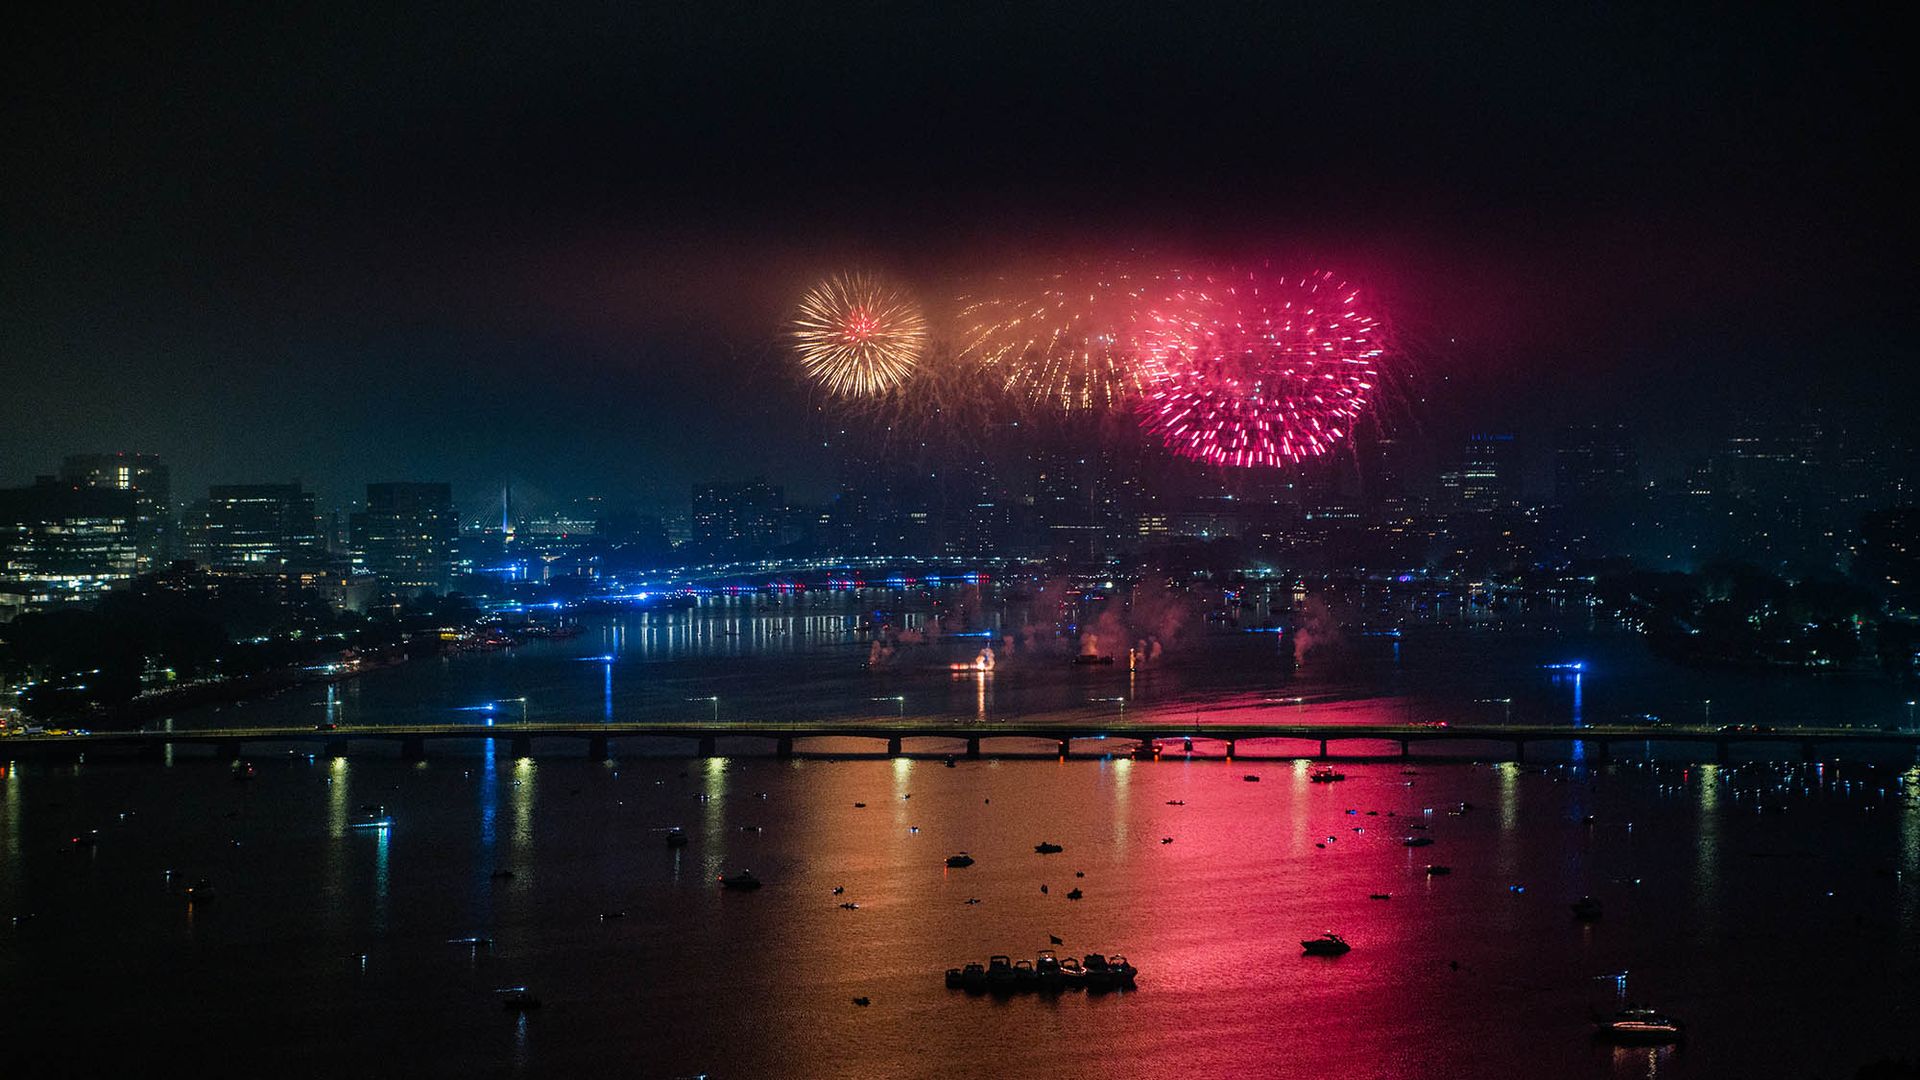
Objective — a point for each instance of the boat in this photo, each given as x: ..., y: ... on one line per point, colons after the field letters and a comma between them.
x: 1000, y: 977
x: 1072, y: 975
x: 517, y: 999
x: 199, y: 890
x: 1100, y: 974
x: 1045, y: 848
x: 676, y: 837
x: 1416, y: 841
x: 1123, y: 972
x: 973, y: 978
x: 949, y: 762
x: 1586, y: 909
x: 960, y: 860
x: 1640, y: 1025
x: 1251, y: 778
x: 1436, y: 871
x: 1325, y: 776
x: 1025, y: 976
x: 471, y: 942
x: 1046, y: 967
x: 1327, y: 944
x: 376, y: 823
x: 742, y: 880
x: 1074, y: 894
x: 1380, y: 896
x: 1089, y: 659
x: 956, y: 978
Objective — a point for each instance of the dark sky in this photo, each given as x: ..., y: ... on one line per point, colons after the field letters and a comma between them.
x: 352, y: 245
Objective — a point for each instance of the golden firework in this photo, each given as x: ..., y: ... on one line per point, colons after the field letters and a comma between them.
x: 856, y: 336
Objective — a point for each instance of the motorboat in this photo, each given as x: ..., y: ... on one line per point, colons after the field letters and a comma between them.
x: 1437, y: 871
x: 1100, y: 973
x: 1417, y: 841
x: 960, y: 860
x: 1327, y: 944
x: 517, y: 999
x: 973, y: 978
x: 199, y: 890
x: 744, y: 879
x: 676, y: 837
x: 1325, y: 776
x: 1045, y: 848
x: 1072, y: 975
x: 1380, y: 896
x: 1046, y: 967
x: 1586, y: 909
x: 1641, y: 1026
x: 1074, y: 894
x: 956, y: 978
x: 471, y: 942
x: 1025, y: 976
x: 1086, y: 659
x: 1123, y: 972
x: 1251, y: 778
x: 1000, y: 977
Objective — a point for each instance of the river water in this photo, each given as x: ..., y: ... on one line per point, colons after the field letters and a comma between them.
x: 1775, y: 908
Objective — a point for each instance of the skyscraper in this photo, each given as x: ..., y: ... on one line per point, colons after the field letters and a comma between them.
x: 151, y: 483
x: 260, y: 526
x: 736, y: 520
x: 406, y: 535
x: 61, y: 542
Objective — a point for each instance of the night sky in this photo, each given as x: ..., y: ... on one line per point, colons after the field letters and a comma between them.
x: 477, y: 245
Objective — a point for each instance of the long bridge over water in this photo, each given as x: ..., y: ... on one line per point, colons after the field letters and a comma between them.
x: 977, y: 738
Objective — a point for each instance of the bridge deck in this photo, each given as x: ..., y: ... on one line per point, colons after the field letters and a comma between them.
x: 973, y: 733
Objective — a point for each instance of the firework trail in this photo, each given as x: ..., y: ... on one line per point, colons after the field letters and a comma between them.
x: 1257, y: 369
x: 1059, y: 342
x: 858, y: 337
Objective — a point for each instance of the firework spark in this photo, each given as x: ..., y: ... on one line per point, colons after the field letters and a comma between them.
x: 1059, y: 343
x: 1258, y: 369
x: 857, y: 336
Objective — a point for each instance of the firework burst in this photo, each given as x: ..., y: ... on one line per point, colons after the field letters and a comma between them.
x: 1059, y: 343
x: 858, y: 337
x: 1258, y: 369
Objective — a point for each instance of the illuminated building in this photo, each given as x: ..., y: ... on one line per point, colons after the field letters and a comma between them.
x: 151, y: 483
x: 62, y: 542
x: 259, y: 526
x: 406, y: 536
x: 736, y: 520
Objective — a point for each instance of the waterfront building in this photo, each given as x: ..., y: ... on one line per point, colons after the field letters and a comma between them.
x: 63, y: 542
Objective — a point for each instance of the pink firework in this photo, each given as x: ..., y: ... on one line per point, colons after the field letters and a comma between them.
x: 1257, y: 369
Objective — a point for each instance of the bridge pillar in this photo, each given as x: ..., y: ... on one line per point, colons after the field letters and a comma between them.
x: 1323, y: 748
x: 228, y: 750
x: 597, y: 748
x: 1720, y: 751
x: 1229, y: 749
x: 1189, y: 744
x: 1145, y: 749
x: 783, y: 747
x: 893, y: 746
x: 522, y: 747
x: 336, y: 748
x: 152, y: 751
x: 1066, y: 747
x: 973, y: 746
x: 708, y: 747
x: 1601, y: 748
x: 1809, y: 752
x: 413, y: 748
x: 1406, y: 748
x: 1519, y: 750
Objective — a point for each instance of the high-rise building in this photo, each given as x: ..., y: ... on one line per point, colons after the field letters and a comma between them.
x: 260, y: 526
x: 1489, y: 474
x: 61, y: 542
x: 1595, y: 464
x: 736, y: 520
x: 151, y: 483
x: 406, y: 536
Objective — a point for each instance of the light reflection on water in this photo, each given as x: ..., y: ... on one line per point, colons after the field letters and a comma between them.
x: 1210, y: 918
